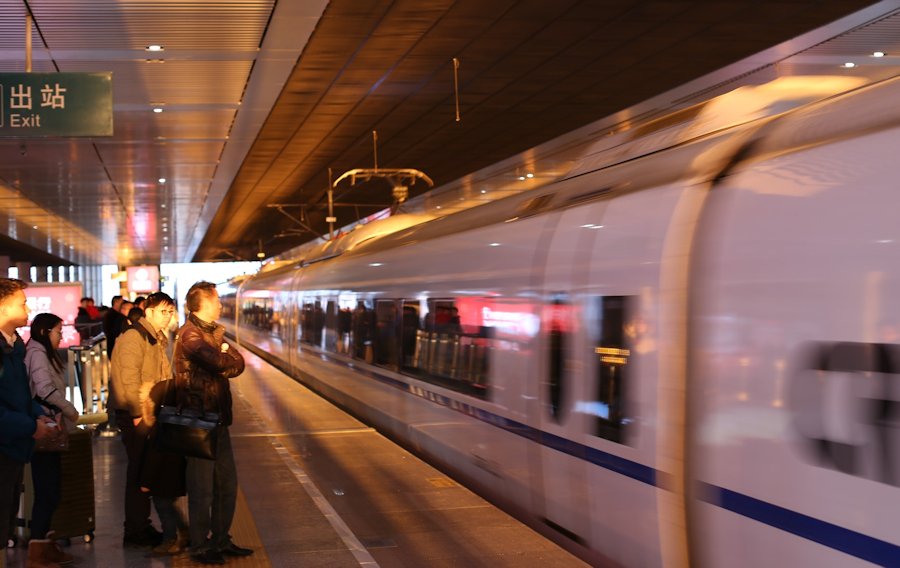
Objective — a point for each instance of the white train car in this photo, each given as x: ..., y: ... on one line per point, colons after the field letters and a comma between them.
x: 682, y: 352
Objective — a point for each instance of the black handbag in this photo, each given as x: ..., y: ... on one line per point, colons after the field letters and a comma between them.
x: 190, y: 432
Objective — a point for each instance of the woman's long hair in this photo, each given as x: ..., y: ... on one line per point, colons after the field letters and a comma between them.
x: 40, y: 332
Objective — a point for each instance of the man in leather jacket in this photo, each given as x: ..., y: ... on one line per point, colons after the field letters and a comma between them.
x: 204, y: 363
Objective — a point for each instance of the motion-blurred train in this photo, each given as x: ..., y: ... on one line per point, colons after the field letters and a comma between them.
x: 683, y: 351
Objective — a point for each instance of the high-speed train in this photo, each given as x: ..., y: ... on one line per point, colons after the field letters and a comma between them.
x: 683, y: 351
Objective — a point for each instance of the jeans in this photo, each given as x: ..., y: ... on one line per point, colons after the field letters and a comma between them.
x: 46, y: 476
x: 11, y: 473
x: 212, y: 495
x: 170, y: 516
x: 137, y: 503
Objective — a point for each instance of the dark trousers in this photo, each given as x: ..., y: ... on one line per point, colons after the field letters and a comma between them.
x: 212, y: 496
x: 11, y: 473
x: 137, y: 503
x: 46, y: 476
x: 171, y: 518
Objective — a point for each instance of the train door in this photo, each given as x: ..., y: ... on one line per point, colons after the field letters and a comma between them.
x: 560, y: 376
x: 632, y: 443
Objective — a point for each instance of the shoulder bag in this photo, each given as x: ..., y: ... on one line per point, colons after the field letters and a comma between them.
x: 187, y: 431
x: 59, y: 442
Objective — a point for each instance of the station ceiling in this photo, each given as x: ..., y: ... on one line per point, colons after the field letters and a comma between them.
x: 264, y: 102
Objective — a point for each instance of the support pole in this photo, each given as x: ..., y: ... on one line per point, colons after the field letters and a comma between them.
x: 331, y: 218
x: 456, y: 85
x: 375, y: 147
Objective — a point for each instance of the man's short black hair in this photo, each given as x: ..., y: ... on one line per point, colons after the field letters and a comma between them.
x: 157, y: 299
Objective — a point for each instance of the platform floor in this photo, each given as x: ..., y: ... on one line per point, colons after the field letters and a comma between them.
x: 320, y: 489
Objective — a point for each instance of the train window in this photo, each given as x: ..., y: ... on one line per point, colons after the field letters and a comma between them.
x: 361, y: 323
x: 444, y: 347
x: 331, y: 325
x: 258, y: 313
x: 344, y: 328
x: 557, y: 340
x: 612, y: 353
x: 384, y: 340
x: 312, y: 322
x: 410, y: 329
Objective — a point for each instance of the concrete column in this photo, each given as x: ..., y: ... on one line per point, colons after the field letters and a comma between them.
x: 4, y: 267
x: 24, y: 271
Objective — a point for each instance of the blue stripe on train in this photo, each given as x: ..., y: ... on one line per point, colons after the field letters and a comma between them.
x: 847, y: 541
x: 612, y: 462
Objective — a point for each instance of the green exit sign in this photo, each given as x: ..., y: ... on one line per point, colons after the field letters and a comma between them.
x: 55, y: 104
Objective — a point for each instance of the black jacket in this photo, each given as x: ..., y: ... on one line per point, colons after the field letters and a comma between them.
x: 202, y: 369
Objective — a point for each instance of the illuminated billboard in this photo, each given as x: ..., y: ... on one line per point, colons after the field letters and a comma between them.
x: 143, y: 279
x: 60, y: 299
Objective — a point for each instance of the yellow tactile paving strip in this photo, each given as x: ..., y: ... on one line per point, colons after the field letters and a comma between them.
x: 243, y: 533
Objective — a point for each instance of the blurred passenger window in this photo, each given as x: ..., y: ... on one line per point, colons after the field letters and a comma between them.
x: 443, y: 347
x: 312, y: 321
x: 612, y: 353
x: 557, y: 321
x: 258, y: 313
x: 344, y: 329
x: 385, y: 338
x: 331, y: 325
x: 361, y: 324
x: 410, y: 330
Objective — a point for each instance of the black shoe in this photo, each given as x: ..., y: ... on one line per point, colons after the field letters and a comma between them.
x: 146, y: 538
x: 208, y: 557
x: 234, y: 550
x: 152, y: 534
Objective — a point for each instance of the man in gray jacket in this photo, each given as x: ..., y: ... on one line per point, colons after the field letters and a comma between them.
x: 139, y: 359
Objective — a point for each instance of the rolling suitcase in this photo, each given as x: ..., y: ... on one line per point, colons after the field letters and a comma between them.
x: 75, y: 515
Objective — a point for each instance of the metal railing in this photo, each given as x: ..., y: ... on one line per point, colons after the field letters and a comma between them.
x: 88, y: 371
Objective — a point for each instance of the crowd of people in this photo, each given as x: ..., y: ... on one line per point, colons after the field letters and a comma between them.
x: 35, y: 417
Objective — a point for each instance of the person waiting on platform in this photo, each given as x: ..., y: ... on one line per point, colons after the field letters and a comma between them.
x: 134, y: 314
x: 88, y: 321
x: 113, y: 324
x: 140, y: 359
x: 22, y: 420
x: 48, y: 386
x: 203, y: 364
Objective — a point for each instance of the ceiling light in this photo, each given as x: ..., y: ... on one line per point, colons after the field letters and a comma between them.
x: 483, y: 191
x: 157, y: 110
x: 34, y: 227
x: 521, y: 178
x: 163, y: 206
x: 154, y: 47
x: 848, y: 65
x: 162, y: 180
x: 495, y: 244
x: 878, y: 54
x: 376, y: 264
x: 529, y: 175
